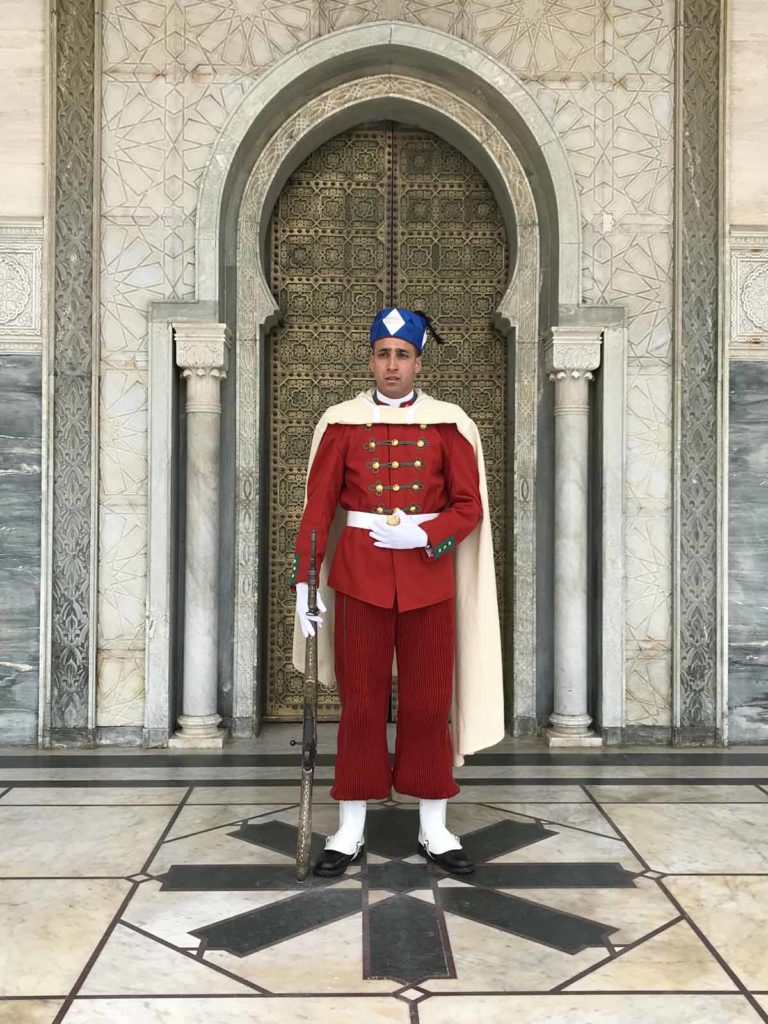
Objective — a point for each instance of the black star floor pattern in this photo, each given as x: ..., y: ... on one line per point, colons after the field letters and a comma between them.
x: 160, y: 889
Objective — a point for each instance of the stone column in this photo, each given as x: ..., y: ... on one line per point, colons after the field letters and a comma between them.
x: 571, y: 354
x: 202, y: 351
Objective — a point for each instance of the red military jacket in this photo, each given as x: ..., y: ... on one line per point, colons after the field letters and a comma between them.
x: 376, y: 468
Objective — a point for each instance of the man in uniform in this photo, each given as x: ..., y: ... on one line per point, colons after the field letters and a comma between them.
x: 396, y: 485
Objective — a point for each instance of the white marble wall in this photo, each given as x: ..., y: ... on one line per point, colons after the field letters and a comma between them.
x: 747, y: 113
x: 172, y: 73
x: 23, y: 108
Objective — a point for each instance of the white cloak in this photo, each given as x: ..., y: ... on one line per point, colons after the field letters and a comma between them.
x: 477, y: 711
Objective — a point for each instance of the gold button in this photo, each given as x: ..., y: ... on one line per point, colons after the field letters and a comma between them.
x: 394, y: 443
x: 372, y: 444
x: 415, y: 487
x: 395, y: 465
x: 418, y: 463
x: 422, y: 426
x: 420, y: 443
x: 379, y: 488
x: 379, y: 508
x: 368, y: 426
x: 413, y: 508
x: 375, y: 464
x: 395, y: 487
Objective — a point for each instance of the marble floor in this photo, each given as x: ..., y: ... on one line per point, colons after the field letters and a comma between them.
x: 612, y: 887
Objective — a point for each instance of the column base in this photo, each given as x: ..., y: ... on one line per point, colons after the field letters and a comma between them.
x: 198, y: 732
x: 555, y: 739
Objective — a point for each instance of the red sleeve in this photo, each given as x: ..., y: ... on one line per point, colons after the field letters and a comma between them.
x: 324, y: 484
x: 465, y: 508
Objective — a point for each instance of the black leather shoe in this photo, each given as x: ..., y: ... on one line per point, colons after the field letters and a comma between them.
x: 333, y: 862
x: 455, y: 861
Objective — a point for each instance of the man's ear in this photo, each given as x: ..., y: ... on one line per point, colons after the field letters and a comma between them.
x: 417, y: 367
x: 371, y: 363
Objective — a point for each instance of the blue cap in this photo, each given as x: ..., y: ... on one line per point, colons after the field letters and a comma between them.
x: 394, y: 322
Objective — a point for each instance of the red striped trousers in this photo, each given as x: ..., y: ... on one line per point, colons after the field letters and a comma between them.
x: 365, y: 639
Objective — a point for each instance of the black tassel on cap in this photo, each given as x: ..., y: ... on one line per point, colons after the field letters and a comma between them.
x: 430, y: 328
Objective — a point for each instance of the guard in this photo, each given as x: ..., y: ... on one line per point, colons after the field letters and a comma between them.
x: 397, y: 494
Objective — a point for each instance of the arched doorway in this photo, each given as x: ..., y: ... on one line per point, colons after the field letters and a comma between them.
x: 382, y: 214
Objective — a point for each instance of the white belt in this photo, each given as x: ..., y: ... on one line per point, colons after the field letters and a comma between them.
x: 365, y: 520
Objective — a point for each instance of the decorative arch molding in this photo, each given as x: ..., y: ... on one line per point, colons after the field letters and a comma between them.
x: 428, y: 106
x: 449, y: 87
x: 432, y: 57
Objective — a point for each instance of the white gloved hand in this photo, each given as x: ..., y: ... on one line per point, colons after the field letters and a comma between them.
x: 302, y: 609
x: 408, y: 534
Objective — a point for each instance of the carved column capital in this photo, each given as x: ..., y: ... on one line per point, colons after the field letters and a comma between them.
x: 202, y: 353
x: 202, y: 345
x: 572, y: 351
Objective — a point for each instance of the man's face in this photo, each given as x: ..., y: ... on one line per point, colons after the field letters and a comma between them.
x: 394, y: 364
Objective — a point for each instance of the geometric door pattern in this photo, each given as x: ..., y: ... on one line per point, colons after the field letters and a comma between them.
x: 378, y: 216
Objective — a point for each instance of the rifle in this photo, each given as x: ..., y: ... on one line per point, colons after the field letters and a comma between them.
x: 309, y: 738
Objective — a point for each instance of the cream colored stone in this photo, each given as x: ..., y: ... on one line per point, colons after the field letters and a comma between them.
x: 748, y: 125
x: 567, y: 1008
x: 134, y: 964
x: 675, y: 960
x: 120, y: 688
x: 23, y: 153
x: 488, y: 959
x: 691, y: 837
x: 28, y: 1011
x: 382, y: 1010
x: 51, y: 928
x: 633, y: 912
x: 85, y: 841
x: 62, y: 795
x: 732, y: 911
x: 285, y: 967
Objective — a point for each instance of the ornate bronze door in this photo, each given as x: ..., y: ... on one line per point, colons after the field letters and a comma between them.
x: 376, y: 217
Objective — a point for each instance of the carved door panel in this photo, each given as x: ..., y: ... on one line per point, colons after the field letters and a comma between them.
x: 373, y: 218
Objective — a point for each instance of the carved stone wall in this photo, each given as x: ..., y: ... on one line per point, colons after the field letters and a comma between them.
x: 172, y: 75
x: 72, y: 363
x: 696, y: 371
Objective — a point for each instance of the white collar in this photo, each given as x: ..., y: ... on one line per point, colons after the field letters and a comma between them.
x: 395, y: 402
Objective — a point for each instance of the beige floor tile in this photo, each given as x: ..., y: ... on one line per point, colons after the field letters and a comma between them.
x: 678, y: 794
x: 336, y: 963
x: 487, y: 959
x: 253, y: 1010
x: 174, y: 915
x: 50, y: 928
x: 692, y: 837
x: 719, y: 771
x: 589, y: 1009
x: 634, y: 912
x: 550, y: 771
x: 199, y: 817
x: 82, y: 841
x: 217, y: 846
x: 133, y: 964
x: 523, y: 794
x: 287, y: 794
x: 462, y: 818
x: 62, y: 795
x: 585, y: 816
x: 675, y: 960
x: 568, y: 844
x: 169, y: 773
x: 733, y: 914
x: 28, y: 1011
